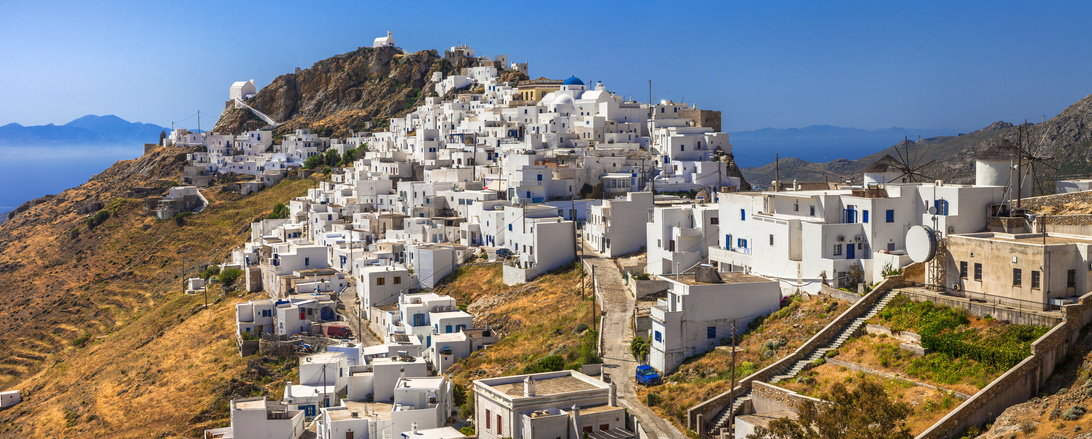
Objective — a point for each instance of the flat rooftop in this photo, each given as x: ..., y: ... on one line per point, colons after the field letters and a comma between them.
x: 727, y: 277
x: 547, y: 386
x: 1029, y: 238
x: 363, y: 409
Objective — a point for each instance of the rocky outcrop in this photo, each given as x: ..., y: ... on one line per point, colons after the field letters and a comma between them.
x: 341, y: 94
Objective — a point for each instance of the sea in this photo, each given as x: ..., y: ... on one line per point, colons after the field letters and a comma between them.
x: 29, y: 172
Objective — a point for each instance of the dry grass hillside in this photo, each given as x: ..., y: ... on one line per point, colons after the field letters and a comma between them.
x: 97, y: 333
x: 536, y: 319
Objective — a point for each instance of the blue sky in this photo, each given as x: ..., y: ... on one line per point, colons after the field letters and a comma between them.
x: 864, y: 64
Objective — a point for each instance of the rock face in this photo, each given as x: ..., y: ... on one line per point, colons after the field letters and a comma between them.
x: 342, y: 93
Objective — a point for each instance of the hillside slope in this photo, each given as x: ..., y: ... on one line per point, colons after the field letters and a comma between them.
x: 1066, y: 138
x: 96, y: 331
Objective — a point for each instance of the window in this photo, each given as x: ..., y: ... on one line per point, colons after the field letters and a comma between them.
x: 727, y: 241
x: 890, y: 215
x: 380, y: 281
x: 812, y: 209
x: 864, y: 216
x: 977, y: 271
x: 539, y: 177
x: 1071, y: 278
x: 714, y: 220
x: 1035, y: 278
x: 509, y: 227
x: 963, y: 269
x: 796, y: 207
x: 306, y: 261
x: 711, y: 332
x: 771, y: 239
x: 743, y: 214
x: 397, y: 280
x: 499, y: 425
x: 659, y: 336
x: 487, y: 419
x: 1017, y: 277
x: 604, y: 427
x: 837, y: 249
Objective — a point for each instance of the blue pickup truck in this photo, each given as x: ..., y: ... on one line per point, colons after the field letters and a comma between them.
x: 647, y: 375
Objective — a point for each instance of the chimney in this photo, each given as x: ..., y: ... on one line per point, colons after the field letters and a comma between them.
x: 288, y: 389
x: 613, y: 398
x: 529, y: 386
x: 402, y: 373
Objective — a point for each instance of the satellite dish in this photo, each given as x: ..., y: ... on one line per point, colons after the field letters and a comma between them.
x: 932, y: 210
x: 921, y: 243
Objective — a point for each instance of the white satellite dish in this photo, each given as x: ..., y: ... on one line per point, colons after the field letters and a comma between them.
x: 921, y: 243
x: 932, y: 210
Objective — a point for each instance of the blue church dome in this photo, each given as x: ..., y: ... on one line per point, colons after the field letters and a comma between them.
x: 573, y: 81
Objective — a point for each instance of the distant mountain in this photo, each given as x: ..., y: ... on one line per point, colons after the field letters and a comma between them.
x: 1065, y: 139
x: 819, y: 143
x: 87, y: 130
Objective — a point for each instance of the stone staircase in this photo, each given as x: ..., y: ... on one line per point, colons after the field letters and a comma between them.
x: 787, y: 373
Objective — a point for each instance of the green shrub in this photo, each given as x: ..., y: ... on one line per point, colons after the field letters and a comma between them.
x: 98, y: 218
x: 229, y: 276
x: 280, y: 211
x: 1074, y: 413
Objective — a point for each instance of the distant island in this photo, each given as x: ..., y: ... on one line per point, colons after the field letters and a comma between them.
x: 87, y: 130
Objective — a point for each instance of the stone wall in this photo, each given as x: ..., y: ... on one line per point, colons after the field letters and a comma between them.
x: 709, y: 409
x: 1020, y: 383
x: 1037, y: 204
x: 1069, y: 224
x: 828, y: 290
x: 770, y: 398
x: 980, y: 309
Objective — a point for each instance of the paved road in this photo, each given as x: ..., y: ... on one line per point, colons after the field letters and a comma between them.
x: 617, y: 333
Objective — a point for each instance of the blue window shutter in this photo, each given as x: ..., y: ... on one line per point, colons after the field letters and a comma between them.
x: 864, y: 216
x: 890, y: 215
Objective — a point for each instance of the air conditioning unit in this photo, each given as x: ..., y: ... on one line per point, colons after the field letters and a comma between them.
x: 951, y: 229
x: 841, y: 238
x: 859, y: 238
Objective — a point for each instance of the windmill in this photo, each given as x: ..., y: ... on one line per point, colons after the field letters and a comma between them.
x: 909, y: 164
x: 1033, y: 156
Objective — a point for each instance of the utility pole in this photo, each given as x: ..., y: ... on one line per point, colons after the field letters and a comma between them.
x: 777, y: 173
x: 594, y: 285
x: 1019, y: 171
x: 198, y: 121
x: 732, y: 400
x: 324, y: 385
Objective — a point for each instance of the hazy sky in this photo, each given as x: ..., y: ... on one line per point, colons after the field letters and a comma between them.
x: 866, y: 64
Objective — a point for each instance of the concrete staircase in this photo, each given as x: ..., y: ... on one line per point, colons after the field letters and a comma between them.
x: 722, y: 419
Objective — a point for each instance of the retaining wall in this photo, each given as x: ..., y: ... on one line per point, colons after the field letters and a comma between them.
x: 645, y: 288
x: 828, y: 290
x: 1020, y: 383
x: 979, y: 309
x: 712, y: 407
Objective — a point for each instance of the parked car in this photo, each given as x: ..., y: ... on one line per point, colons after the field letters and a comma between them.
x: 647, y: 375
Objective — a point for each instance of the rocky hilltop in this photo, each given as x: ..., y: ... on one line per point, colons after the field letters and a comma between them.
x: 1065, y: 138
x: 343, y: 93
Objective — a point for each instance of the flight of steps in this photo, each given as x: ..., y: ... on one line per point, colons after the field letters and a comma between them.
x: 722, y: 418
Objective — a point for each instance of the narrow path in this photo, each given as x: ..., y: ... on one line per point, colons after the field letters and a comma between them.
x: 616, y: 334
x: 347, y: 307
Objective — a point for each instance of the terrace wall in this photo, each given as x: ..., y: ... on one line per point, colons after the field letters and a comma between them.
x: 1020, y: 383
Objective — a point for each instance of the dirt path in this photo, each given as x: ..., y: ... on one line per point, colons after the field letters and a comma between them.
x: 617, y: 333
x: 346, y: 307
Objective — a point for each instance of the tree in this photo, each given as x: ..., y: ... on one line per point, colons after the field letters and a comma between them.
x: 333, y: 158
x: 162, y: 135
x: 280, y: 211
x: 314, y: 161
x: 229, y: 275
x: 864, y: 413
x: 639, y: 348
x: 348, y: 158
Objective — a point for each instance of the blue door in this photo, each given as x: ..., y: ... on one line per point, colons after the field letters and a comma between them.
x: 851, y: 251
